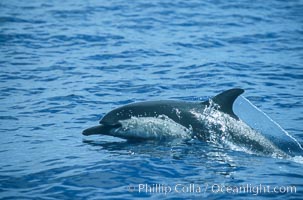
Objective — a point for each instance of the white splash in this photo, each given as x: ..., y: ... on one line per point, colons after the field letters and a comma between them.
x: 297, y: 159
x: 226, y: 131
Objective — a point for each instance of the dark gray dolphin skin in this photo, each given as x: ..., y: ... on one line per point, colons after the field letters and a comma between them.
x: 178, y: 111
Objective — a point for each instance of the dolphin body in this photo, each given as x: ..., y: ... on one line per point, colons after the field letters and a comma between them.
x: 178, y: 111
x: 210, y: 121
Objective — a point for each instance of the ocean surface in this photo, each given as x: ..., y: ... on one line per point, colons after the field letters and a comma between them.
x: 65, y: 64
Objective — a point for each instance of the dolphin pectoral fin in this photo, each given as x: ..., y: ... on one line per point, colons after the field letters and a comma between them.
x: 100, y: 129
x: 225, y: 100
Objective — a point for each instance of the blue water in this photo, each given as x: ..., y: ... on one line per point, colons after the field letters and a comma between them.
x: 64, y: 64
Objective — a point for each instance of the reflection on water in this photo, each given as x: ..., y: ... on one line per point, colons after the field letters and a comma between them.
x: 193, y: 152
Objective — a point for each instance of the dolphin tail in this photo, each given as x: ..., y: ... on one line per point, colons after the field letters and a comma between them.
x: 225, y: 100
x: 100, y: 129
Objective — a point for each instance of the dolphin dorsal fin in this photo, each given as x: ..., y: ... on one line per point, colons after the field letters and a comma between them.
x: 225, y: 101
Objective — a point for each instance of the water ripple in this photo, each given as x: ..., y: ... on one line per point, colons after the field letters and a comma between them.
x: 64, y: 65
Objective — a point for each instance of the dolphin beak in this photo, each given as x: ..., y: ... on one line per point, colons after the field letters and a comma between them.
x: 94, y: 130
x: 101, y: 129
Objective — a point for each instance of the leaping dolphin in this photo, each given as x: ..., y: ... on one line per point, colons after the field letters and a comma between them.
x: 180, y: 112
x: 211, y: 121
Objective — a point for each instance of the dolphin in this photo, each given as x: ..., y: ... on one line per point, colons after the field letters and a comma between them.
x: 180, y: 112
x: 211, y: 121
